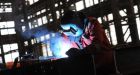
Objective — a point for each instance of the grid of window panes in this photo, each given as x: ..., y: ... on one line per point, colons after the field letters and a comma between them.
x: 38, y: 21
x: 7, y: 28
x: 10, y: 52
x: 5, y: 7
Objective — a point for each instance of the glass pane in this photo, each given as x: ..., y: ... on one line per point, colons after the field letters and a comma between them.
x: 8, y: 10
x: 44, y: 18
x: 79, y: 5
x: 3, y: 25
x: 110, y: 17
x: 127, y: 34
x: 39, y: 21
x: 11, y: 31
x: 15, y: 55
x: 6, y: 47
x: 122, y: 13
x: 30, y: 1
x: 14, y: 46
x: 1, y: 10
x: 4, y: 32
x: 57, y: 14
x: 38, y: 13
x: 8, y: 58
x: 113, y: 34
x: 136, y: 9
x: 96, y: 1
x: 89, y: 3
x: 138, y: 26
x: 10, y: 24
x: 43, y: 11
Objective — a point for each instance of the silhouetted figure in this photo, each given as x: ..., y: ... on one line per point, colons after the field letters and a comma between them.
x: 92, y: 40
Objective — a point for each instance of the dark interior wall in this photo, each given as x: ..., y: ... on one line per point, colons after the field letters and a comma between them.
x: 128, y: 59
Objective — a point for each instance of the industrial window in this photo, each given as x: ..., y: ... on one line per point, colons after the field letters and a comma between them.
x: 8, y: 24
x: 30, y: 26
x: 5, y: 7
x: 138, y: 25
x: 126, y: 32
x: 43, y: 10
x: 8, y: 9
x: 89, y: 3
x: 57, y: 14
x: 11, y: 31
x: 32, y: 1
x: 110, y: 17
x: 9, y: 47
x: 123, y: 12
x: 7, y: 28
x: 96, y: 1
x: 44, y: 19
x: 79, y: 5
x: 113, y: 34
x: 40, y: 21
x: 12, y: 50
x: 11, y: 57
x: 38, y: 13
x: 8, y: 31
x: 135, y: 9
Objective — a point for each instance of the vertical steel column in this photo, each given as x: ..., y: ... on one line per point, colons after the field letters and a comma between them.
x: 132, y: 22
x: 117, y: 21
